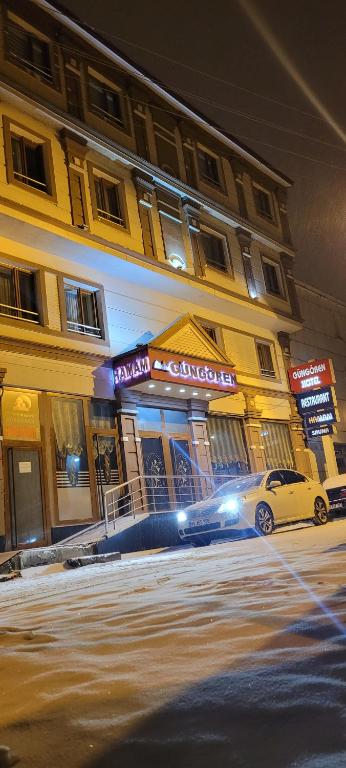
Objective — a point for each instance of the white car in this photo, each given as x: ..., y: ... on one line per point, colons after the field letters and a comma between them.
x: 336, y: 492
x: 260, y: 501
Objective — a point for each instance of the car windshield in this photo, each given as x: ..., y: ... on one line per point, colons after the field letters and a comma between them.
x: 239, y: 485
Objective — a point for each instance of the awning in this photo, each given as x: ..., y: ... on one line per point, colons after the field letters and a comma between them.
x: 165, y: 366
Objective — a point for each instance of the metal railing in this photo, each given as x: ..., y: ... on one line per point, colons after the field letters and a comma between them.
x: 149, y: 494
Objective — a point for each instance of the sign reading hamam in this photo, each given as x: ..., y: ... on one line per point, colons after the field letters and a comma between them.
x: 149, y: 363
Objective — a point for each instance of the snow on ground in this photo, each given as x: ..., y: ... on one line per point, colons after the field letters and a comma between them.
x: 232, y: 656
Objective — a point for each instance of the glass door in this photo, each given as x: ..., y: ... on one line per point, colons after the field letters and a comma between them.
x: 25, y: 497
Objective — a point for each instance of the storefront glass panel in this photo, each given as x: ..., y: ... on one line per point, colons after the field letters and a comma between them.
x: 277, y: 445
x: 227, y: 446
x: 72, y: 470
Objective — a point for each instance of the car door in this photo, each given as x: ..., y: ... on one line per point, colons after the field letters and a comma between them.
x: 279, y: 499
x: 301, y: 492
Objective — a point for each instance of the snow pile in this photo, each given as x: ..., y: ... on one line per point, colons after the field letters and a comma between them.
x: 229, y: 657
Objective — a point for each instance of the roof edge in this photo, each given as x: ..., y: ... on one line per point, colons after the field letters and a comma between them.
x: 90, y: 36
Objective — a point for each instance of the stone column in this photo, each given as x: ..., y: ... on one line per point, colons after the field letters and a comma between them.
x: 287, y: 267
x: 253, y: 428
x: 2, y: 484
x: 197, y: 417
x: 300, y: 451
x: 244, y: 239
x: 192, y: 214
x: 129, y: 440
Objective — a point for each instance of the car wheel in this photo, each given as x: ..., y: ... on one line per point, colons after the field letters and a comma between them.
x: 201, y: 541
x: 264, y: 520
x: 320, y: 512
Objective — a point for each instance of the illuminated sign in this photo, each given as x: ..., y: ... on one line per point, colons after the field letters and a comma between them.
x: 327, y: 416
x: 131, y: 370
x: 327, y: 429
x: 160, y: 365
x: 317, y: 373
x: 20, y: 415
x: 314, y: 401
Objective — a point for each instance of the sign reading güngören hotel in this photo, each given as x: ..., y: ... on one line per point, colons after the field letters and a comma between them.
x: 160, y: 365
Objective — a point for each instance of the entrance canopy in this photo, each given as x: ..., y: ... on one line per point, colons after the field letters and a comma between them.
x: 182, y: 362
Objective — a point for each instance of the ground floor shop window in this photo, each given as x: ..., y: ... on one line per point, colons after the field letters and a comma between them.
x: 72, y: 468
x: 227, y: 446
x: 277, y: 445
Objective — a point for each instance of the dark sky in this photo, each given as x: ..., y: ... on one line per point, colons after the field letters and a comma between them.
x: 213, y: 54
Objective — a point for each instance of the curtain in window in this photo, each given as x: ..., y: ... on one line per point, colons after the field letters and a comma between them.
x: 7, y: 296
x: 72, y: 306
x: 277, y: 445
x: 227, y: 446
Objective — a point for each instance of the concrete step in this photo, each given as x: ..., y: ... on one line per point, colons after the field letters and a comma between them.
x: 79, y: 562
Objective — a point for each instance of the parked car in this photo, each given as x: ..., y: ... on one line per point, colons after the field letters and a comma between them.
x: 259, y: 501
x: 336, y: 492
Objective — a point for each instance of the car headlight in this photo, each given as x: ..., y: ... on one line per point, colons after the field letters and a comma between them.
x: 181, y: 517
x: 231, y: 505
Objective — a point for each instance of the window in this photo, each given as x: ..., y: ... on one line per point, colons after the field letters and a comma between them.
x: 18, y: 294
x: 108, y: 201
x: 106, y: 102
x: 215, y: 250
x: 272, y: 278
x: 209, y: 167
x: 227, y: 446
x: 210, y: 331
x: 263, y: 203
x: 29, y: 52
x: 28, y: 162
x: 277, y: 477
x: 265, y: 359
x: 82, y: 310
x: 277, y: 445
x: 291, y: 477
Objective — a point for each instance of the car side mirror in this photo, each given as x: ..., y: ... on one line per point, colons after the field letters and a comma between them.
x: 273, y: 484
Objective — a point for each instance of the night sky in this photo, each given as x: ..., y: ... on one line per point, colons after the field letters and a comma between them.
x: 233, y: 57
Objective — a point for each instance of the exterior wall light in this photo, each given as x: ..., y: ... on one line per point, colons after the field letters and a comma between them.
x: 176, y: 261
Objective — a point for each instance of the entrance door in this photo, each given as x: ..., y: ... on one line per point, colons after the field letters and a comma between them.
x: 25, y: 497
x: 155, y: 468
x: 182, y: 471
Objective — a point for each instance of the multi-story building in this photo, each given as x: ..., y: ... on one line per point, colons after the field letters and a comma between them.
x: 129, y: 224
x: 323, y: 335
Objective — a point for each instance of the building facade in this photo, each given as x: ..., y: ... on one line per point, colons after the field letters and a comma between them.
x: 323, y: 335
x: 129, y: 222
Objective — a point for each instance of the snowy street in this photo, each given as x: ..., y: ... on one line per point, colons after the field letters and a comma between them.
x: 229, y: 656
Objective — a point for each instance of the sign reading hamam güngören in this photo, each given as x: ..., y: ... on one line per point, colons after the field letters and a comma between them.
x: 160, y: 365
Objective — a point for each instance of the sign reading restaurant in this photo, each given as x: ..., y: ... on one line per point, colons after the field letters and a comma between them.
x: 311, y: 375
x: 148, y: 363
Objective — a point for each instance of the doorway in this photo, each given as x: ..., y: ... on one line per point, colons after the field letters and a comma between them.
x: 25, y: 509
x: 166, y: 453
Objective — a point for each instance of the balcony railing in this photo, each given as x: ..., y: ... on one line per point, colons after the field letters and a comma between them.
x: 6, y: 310
x: 88, y: 330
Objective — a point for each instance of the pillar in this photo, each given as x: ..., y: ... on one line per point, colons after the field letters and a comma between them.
x: 253, y: 433
x: 129, y: 439
x: 300, y: 451
x: 287, y: 267
x: 329, y: 455
x: 2, y: 483
x: 244, y: 239
x: 197, y: 417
